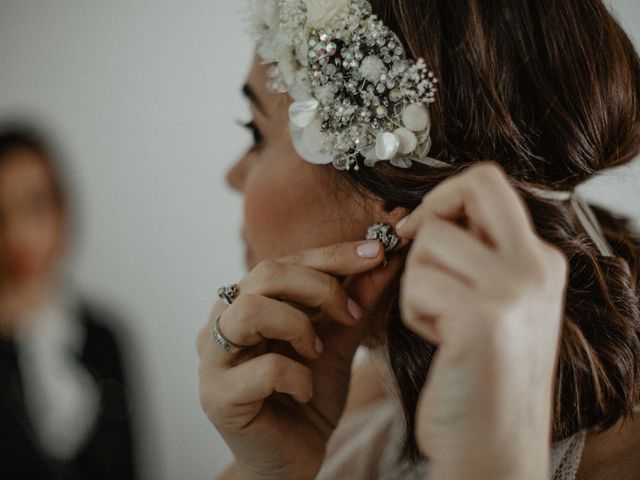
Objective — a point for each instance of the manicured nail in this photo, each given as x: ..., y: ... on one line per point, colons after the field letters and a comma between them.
x: 354, y: 309
x: 401, y: 223
x: 319, y: 346
x: 369, y: 249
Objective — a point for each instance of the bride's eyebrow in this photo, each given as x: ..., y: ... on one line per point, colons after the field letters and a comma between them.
x: 251, y: 95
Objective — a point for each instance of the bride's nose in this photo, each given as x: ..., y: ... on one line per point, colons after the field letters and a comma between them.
x: 237, y: 174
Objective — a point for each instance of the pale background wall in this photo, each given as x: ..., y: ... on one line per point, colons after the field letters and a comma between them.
x: 143, y: 96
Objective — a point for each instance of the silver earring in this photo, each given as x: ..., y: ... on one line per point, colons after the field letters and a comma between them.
x: 384, y: 233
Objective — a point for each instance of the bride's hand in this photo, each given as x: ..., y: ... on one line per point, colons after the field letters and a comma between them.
x: 258, y: 398
x: 489, y: 292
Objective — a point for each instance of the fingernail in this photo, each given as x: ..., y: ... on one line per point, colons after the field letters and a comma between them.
x: 310, y: 394
x: 401, y: 223
x: 354, y: 309
x: 319, y: 346
x: 369, y: 249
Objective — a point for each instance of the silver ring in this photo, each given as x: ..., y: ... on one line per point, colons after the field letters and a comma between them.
x: 223, y: 341
x: 228, y: 293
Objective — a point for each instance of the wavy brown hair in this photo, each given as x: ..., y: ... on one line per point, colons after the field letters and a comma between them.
x: 550, y: 90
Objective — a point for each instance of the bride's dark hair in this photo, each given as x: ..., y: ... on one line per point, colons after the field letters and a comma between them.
x: 549, y: 89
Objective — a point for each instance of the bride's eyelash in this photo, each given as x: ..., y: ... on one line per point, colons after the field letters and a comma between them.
x: 251, y: 126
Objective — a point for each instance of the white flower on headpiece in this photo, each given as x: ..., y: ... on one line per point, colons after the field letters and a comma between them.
x: 326, y: 94
x: 274, y: 50
x: 300, y: 90
x: 287, y: 72
x: 321, y: 12
x: 265, y: 13
x: 371, y: 68
x: 302, y: 52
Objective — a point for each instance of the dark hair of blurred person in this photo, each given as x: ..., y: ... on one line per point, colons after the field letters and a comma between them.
x: 65, y: 411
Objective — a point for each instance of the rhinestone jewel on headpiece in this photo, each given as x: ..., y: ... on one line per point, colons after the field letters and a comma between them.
x: 355, y: 93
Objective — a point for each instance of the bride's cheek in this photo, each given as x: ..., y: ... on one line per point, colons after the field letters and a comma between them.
x: 274, y: 214
x: 265, y: 219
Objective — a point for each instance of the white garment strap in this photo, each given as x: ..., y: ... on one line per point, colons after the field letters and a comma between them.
x: 61, y: 396
x: 585, y: 215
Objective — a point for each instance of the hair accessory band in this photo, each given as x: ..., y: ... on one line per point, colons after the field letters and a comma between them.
x: 585, y: 215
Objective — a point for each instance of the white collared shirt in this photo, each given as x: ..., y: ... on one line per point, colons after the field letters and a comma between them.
x: 62, y: 398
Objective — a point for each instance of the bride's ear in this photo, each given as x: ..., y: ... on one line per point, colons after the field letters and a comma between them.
x: 398, y: 214
x: 392, y: 217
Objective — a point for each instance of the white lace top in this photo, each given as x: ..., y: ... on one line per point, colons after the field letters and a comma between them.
x: 366, y: 446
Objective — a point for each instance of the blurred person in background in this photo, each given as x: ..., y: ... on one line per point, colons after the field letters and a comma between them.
x: 65, y: 409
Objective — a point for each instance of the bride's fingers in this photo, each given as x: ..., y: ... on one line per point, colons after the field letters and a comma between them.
x: 299, y: 279
x: 304, y: 286
x: 252, y: 318
x: 340, y: 259
x: 368, y: 288
x: 239, y: 391
x: 359, y: 261
x: 484, y: 194
x: 426, y: 293
x: 454, y: 249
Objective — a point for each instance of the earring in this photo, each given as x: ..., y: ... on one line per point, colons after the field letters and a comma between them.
x: 383, y: 232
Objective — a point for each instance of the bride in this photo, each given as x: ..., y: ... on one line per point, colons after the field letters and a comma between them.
x: 502, y: 309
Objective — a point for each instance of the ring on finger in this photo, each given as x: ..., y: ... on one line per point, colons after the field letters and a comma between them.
x: 228, y: 293
x: 223, y: 341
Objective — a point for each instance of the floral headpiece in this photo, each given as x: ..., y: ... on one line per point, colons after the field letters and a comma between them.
x: 355, y: 91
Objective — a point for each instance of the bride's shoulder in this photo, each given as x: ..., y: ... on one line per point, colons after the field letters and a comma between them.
x: 612, y: 453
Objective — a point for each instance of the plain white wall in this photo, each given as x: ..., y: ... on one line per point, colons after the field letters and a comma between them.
x: 143, y: 97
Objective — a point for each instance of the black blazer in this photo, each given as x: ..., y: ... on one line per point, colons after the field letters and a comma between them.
x: 108, y: 453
